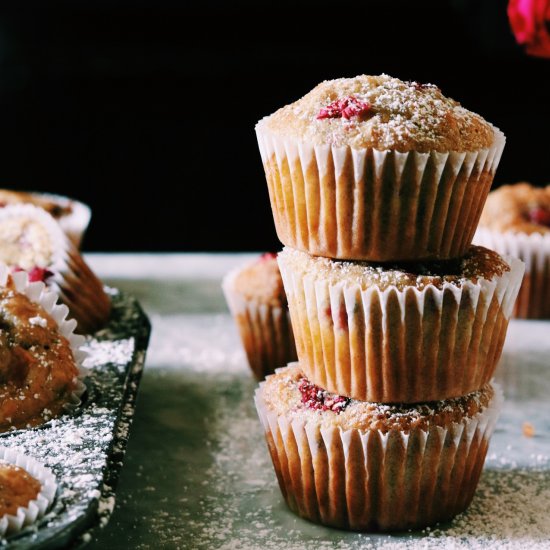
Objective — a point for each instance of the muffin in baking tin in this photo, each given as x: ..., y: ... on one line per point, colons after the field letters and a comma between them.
x: 32, y: 241
x: 73, y: 216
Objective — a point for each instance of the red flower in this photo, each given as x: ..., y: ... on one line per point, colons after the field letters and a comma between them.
x: 530, y: 22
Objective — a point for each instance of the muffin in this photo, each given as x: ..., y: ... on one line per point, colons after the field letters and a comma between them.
x: 27, y: 489
x: 374, y: 168
x: 369, y: 466
x: 73, y: 216
x: 516, y: 221
x: 256, y: 298
x: 31, y: 240
x: 404, y: 333
x: 39, y: 355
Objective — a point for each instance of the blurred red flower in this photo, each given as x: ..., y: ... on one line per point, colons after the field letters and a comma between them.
x: 530, y: 22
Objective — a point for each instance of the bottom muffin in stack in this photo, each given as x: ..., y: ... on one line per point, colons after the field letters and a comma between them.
x: 369, y: 466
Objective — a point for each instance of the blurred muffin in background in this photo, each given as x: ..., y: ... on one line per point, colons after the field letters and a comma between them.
x: 73, y: 216
x: 516, y: 222
x: 256, y: 298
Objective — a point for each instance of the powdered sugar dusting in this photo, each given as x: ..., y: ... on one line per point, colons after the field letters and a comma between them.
x: 228, y: 495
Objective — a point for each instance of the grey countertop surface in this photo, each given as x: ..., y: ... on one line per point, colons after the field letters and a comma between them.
x: 197, y: 473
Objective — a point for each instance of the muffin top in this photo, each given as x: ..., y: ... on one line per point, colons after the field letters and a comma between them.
x: 260, y: 281
x: 520, y: 208
x: 288, y: 393
x: 478, y: 263
x: 55, y: 209
x: 37, y: 367
x: 17, y: 488
x: 25, y: 243
x: 381, y: 112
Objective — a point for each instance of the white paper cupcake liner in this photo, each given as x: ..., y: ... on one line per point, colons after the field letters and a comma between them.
x: 74, y: 224
x: 370, y: 480
x: 36, y: 508
x: 534, y: 250
x: 39, y: 293
x: 265, y: 330
x: 72, y: 279
x: 400, y: 346
x: 365, y: 204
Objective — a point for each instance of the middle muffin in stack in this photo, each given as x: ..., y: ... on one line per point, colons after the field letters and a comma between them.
x: 376, y: 187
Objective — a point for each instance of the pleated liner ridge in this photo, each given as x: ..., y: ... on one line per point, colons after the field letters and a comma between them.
x: 374, y: 481
x: 355, y: 204
x: 400, y: 346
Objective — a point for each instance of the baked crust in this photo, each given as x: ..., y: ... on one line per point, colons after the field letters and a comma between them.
x: 282, y: 395
x: 401, y: 116
x: 478, y: 263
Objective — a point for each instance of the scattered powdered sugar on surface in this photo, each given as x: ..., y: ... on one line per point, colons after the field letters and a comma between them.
x: 228, y: 497
x: 115, y: 352
x: 84, y: 449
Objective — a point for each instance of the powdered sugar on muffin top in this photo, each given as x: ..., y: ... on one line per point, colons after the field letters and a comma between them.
x: 478, y: 263
x: 401, y: 116
x: 283, y: 395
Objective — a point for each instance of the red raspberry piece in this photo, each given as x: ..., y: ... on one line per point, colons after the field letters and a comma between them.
x: 36, y: 273
x: 268, y: 256
x: 318, y: 399
x: 346, y: 107
x: 540, y: 216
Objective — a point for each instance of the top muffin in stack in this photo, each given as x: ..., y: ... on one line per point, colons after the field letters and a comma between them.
x: 374, y: 168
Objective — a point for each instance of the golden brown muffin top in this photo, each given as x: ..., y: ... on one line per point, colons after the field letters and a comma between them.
x: 261, y: 281
x: 37, y: 367
x: 384, y: 113
x: 17, y: 488
x: 288, y: 393
x: 55, y: 209
x: 520, y: 207
x: 478, y: 263
x: 25, y: 243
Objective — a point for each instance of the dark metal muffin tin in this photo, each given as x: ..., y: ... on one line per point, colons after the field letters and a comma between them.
x: 85, y: 449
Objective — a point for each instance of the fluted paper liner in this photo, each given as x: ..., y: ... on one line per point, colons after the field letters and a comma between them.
x: 76, y: 222
x: 368, y: 480
x: 72, y: 279
x: 365, y: 204
x: 36, y: 508
x: 265, y: 330
x: 400, y: 346
x: 533, y: 300
x: 38, y: 293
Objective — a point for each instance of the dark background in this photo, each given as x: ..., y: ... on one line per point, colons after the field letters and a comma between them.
x: 118, y: 104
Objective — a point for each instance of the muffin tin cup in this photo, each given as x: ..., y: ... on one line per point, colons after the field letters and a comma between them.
x: 534, y: 249
x: 265, y: 330
x: 36, y: 508
x: 72, y: 279
x: 74, y: 224
x: 370, y: 480
x: 39, y: 293
x: 400, y: 346
x: 365, y: 204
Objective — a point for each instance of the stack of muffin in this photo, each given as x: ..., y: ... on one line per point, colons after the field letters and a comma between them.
x: 376, y: 187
